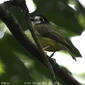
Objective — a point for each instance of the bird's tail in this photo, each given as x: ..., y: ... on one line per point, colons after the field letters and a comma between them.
x: 72, y: 49
x: 67, y: 44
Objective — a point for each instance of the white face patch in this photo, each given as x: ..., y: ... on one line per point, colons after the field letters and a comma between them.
x: 38, y: 20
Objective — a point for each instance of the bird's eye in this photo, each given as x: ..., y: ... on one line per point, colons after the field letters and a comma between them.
x: 41, y: 19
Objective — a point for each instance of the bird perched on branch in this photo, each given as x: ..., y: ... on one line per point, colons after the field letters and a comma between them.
x: 51, y: 38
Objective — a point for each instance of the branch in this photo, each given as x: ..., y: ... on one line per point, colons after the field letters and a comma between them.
x: 63, y: 75
x: 30, y: 47
x: 18, y: 33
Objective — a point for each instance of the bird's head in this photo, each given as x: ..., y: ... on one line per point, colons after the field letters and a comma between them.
x: 39, y: 19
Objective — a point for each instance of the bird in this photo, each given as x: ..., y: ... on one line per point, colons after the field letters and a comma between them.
x: 51, y: 38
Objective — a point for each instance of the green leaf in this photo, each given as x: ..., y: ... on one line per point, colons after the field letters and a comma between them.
x: 60, y: 13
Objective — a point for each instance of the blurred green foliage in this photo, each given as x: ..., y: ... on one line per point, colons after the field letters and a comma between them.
x: 16, y: 64
x: 59, y: 12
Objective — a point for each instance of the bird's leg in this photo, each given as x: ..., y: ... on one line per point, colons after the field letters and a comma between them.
x: 47, y: 48
x: 52, y: 54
